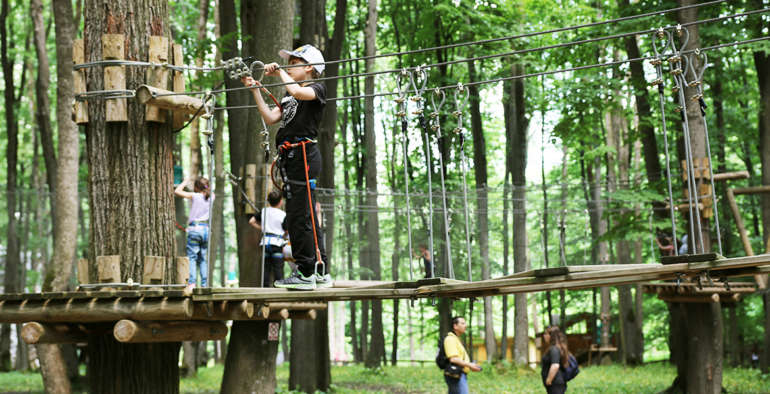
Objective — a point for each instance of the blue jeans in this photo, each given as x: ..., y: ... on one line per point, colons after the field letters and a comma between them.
x: 197, y: 247
x: 457, y: 386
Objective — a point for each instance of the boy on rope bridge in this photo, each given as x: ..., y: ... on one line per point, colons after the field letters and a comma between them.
x: 273, y: 227
x: 299, y: 160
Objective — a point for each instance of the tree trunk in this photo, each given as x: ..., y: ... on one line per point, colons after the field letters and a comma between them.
x: 196, y: 153
x: 480, y: 171
x: 43, y: 112
x: 516, y: 126
x: 250, y: 363
x: 309, y: 357
x: 397, y: 231
x: 52, y: 365
x: 699, y: 364
x: 129, y: 161
x: 762, y: 65
x: 372, y: 251
x: 12, y: 259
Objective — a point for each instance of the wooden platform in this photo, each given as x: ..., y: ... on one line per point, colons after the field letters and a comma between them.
x: 142, y: 303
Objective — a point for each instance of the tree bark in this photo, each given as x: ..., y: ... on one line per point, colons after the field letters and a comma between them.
x: 517, y: 125
x: 372, y: 252
x: 52, y: 365
x: 196, y: 153
x: 42, y: 113
x: 130, y: 178
x: 12, y: 259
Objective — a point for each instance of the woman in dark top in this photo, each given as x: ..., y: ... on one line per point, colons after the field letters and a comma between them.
x: 555, y: 356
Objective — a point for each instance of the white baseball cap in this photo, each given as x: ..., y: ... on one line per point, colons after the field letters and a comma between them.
x: 307, y: 53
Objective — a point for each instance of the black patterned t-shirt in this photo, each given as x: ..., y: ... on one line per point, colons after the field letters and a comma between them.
x: 300, y: 118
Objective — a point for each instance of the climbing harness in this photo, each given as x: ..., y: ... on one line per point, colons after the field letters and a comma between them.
x: 436, y: 127
x: 285, y: 151
x: 401, y: 113
x: 657, y: 62
x: 419, y: 79
x: 461, y: 96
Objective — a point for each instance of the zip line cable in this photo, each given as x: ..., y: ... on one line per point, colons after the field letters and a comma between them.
x: 476, y: 58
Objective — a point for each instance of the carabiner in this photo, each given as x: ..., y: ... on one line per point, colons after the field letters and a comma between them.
x: 260, y: 71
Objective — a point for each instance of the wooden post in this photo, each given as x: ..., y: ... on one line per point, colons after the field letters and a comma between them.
x: 153, y: 270
x: 157, y: 76
x: 251, y: 187
x: 185, y: 105
x: 739, y: 222
x: 113, y: 48
x: 178, y: 119
x: 83, y: 271
x: 182, y: 270
x: 129, y: 331
x: 79, y: 108
x: 34, y: 333
x: 108, y: 269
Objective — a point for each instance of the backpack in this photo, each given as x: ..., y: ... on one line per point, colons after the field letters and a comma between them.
x: 441, y: 359
x: 571, y: 370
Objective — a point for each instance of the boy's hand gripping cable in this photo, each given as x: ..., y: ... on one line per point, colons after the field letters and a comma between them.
x: 236, y: 68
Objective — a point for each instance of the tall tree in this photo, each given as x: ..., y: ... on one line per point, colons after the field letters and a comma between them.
x: 516, y: 126
x: 480, y: 171
x: 129, y: 161
x: 42, y: 113
x: 52, y: 364
x: 372, y: 251
x: 250, y: 363
x: 12, y: 259
x: 762, y: 65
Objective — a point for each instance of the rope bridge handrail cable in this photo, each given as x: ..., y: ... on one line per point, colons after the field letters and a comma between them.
x: 476, y: 58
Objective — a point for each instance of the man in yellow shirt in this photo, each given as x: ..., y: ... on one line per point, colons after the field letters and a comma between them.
x: 456, y: 354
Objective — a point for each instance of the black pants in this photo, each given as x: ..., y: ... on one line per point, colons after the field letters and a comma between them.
x: 298, y: 220
x: 273, y: 265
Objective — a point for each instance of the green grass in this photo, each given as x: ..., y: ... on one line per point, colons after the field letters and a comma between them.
x: 501, y: 378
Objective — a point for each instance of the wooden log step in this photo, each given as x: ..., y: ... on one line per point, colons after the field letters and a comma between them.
x: 701, y: 298
x: 35, y: 332
x: 95, y: 310
x: 569, y: 269
x: 690, y: 258
x: 129, y: 331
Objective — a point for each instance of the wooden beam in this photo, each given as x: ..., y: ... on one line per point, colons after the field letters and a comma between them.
x: 108, y: 268
x: 752, y: 189
x: 129, y: 331
x: 699, y: 299
x: 223, y: 310
x: 310, y: 314
x: 79, y: 108
x: 298, y: 306
x: 153, y: 97
x: 157, y: 76
x: 250, y: 187
x: 154, y: 268
x: 565, y: 270
x: 739, y: 222
x: 182, y: 269
x: 34, y: 333
x: 113, y: 48
x: 281, y: 314
x: 83, y: 271
x: 729, y: 176
x: 178, y: 119
x: 95, y: 310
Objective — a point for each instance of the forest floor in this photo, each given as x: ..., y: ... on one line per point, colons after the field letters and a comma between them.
x: 501, y: 378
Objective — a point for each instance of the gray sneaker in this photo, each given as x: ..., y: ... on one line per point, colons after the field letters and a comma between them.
x: 297, y: 281
x: 323, y: 281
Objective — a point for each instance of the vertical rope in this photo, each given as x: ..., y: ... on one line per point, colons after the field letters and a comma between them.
x: 401, y: 102
x: 418, y: 98
x: 462, y: 90
x: 437, y: 128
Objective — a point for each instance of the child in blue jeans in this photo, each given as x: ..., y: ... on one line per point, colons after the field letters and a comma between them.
x: 197, y: 228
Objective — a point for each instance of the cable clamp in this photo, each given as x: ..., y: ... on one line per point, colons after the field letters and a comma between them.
x: 417, y: 112
x: 696, y: 97
x: 674, y: 59
x: 675, y: 89
x: 676, y: 71
x: 679, y: 30
x: 656, y: 62
x: 693, y: 84
x: 678, y: 109
x: 661, y: 33
x: 399, y: 100
x: 456, y: 113
x: 656, y: 82
x: 416, y: 99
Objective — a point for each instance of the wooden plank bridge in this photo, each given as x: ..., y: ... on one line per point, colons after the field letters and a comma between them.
x: 61, y: 315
